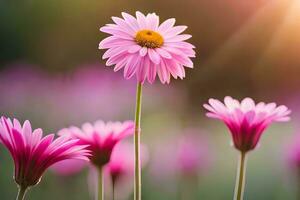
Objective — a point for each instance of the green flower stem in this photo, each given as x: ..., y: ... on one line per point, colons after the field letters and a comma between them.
x: 21, y: 193
x: 100, y: 184
x: 137, y: 132
x: 113, y: 190
x: 240, y: 179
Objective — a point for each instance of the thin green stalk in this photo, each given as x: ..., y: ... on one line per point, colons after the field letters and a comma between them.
x: 100, y: 184
x: 137, y: 132
x: 113, y: 190
x: 21, y: 193
x: 240, y: 179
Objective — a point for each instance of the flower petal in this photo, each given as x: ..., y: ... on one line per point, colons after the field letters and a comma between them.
x: 166, y: 25
x: 154, y: 57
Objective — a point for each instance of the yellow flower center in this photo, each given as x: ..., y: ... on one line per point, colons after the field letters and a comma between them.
x: 149, y: 39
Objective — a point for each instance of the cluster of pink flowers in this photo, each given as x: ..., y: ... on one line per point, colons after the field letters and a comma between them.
x: 33, y: 154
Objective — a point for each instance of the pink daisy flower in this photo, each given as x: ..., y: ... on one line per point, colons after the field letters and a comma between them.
x: 144, y: 48
x: 246, y: 120
x: 33, y: 154
x: 100, y: 137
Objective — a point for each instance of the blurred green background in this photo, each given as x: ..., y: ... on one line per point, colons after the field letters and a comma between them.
x: 49, y: 62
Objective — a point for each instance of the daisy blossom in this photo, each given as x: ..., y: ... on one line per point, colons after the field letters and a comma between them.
x: 145, y: 48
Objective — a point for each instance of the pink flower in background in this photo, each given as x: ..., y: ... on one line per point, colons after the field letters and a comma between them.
x: 246, y: 120
x: 33, y: 154
x: 293, y: 152
x: 119, y: 171
x: 187, y: 155
x: 144, y: 48
x: 100, y: 137
x: 88, y: 90
x: 17, y: 82
x: 192, y: 153
x: 122, y: 161
x: 68, y: 167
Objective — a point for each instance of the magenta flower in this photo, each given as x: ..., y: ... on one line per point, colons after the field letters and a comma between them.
x: 144, y: 48
x: 246, y: 121
x: 33, y: 154
x: 101, y: 138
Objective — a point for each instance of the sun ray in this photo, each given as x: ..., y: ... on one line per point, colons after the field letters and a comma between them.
x: 281, y: 43
x: 255, y: 28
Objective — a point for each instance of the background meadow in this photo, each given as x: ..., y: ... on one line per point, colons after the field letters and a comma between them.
x: 51, y: 73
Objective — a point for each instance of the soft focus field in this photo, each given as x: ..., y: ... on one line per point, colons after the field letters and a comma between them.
x: 52, y: 74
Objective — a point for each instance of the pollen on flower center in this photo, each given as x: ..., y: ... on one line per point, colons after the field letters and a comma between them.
x: 149, y: 39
